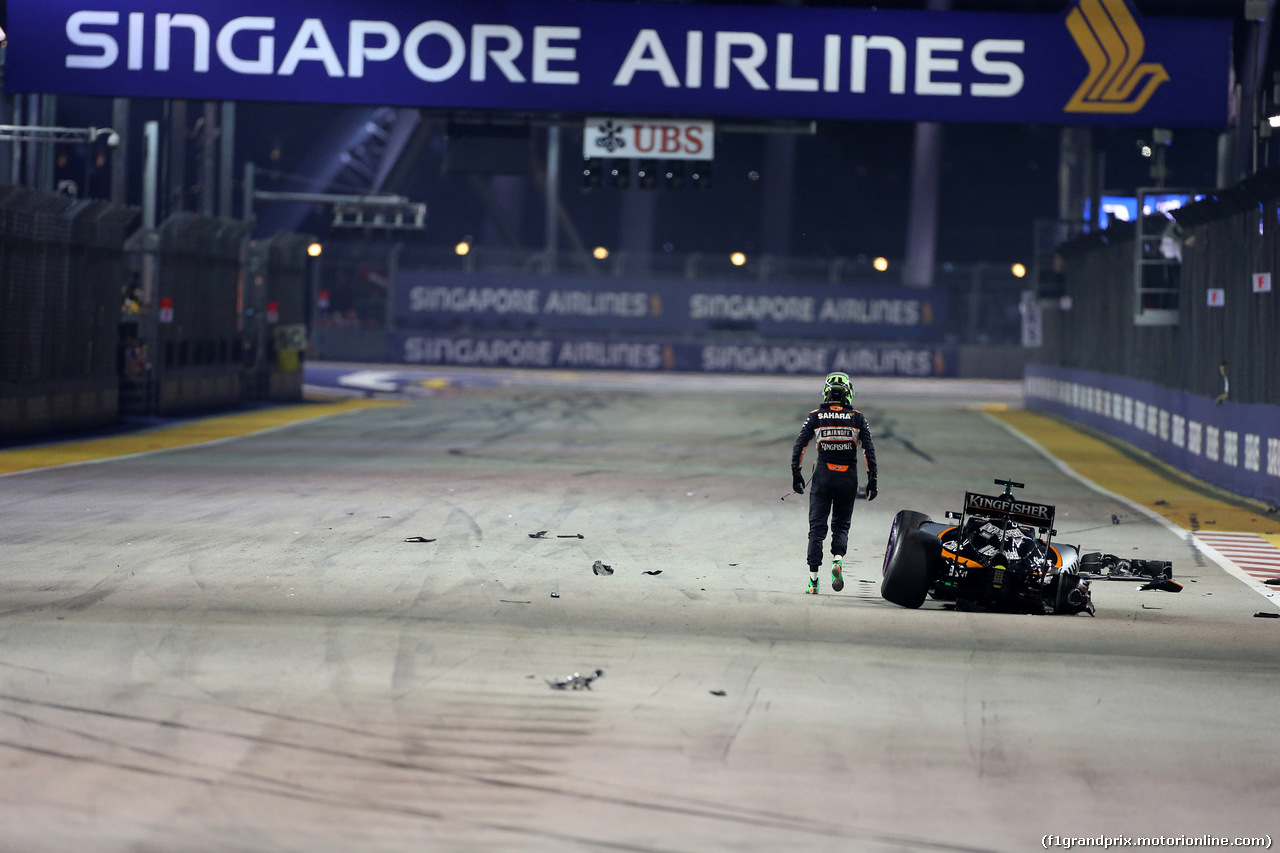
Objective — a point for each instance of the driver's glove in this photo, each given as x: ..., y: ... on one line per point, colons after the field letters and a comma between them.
x: 871, y: 487
x: 797, y: 481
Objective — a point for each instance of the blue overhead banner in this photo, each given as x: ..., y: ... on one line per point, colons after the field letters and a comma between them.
x: 1097, y: 63
x: 488, y: 302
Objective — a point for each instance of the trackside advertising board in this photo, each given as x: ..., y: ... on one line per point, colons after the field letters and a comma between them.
x: 487, y: 302
x: 1096, y: 63
x: 1232, y: 445
x: 648, y: 354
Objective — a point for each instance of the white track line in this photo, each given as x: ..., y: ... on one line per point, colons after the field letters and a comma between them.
x: 1225, y: 563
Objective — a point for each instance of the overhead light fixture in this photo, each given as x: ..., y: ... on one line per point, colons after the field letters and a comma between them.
x: 1018, y: 270
x: 314, y: 250
x: 591, y: 170
x: 620, y: 174
x: 647, y: 174
x: 674, y: 175
x: 737, y: 259
x: 881, y: 264
x: 600, y: 253
x: 1274, y: 121
x: 462, y: 248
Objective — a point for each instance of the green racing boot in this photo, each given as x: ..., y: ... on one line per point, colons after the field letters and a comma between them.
x: 837, y: 574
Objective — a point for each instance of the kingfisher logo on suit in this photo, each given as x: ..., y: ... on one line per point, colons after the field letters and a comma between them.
x: 1112, y: 43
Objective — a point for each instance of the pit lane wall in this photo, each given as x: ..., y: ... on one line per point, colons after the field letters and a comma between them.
x: 1234, y: 446
x: 584, y: 322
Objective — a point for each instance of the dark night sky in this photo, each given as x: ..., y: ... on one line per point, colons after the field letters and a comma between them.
x: 851, y: 185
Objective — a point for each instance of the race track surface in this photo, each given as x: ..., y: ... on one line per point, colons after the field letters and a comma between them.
x: 220, y: 636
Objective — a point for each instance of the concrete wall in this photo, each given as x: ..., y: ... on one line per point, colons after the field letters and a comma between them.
x: 34, y: 409
x: 198, y: 388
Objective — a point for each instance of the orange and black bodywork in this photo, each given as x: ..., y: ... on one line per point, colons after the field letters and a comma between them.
x: 998, y: 554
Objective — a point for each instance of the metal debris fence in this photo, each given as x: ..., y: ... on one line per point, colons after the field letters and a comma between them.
x: 61, y: 280
x: 96, y: 321
x: 199, y: 271
x: 1226, y: 240
x: 61, y: 266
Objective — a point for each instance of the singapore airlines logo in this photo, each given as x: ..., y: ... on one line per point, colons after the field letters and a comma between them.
x: 1112, y: 44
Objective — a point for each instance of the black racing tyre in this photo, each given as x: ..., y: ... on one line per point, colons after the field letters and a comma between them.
x: 906, y: 561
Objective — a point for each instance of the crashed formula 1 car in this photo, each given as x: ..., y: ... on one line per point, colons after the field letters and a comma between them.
x: 998, y: 554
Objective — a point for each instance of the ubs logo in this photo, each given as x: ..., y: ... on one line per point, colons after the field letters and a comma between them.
x: 1112, y: 44
x: 612, y: 139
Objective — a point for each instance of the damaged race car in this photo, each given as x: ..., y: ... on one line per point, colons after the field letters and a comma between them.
x: 998, y: 554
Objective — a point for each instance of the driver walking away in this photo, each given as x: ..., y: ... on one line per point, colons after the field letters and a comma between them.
x: 840, y: 430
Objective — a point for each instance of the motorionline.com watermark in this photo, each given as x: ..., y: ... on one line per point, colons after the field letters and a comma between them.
x: 1106, y: 842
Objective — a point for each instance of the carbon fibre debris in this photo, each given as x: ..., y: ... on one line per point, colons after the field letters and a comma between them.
x: 575, y: 681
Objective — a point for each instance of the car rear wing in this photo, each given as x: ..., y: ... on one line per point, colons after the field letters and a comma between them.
x: 1005, y: 506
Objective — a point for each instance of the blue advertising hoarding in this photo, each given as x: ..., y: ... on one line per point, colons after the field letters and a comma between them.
x: 649, y: 354
x: 1098, y: 63
x: 484, y: 302
x: 1231, y: 445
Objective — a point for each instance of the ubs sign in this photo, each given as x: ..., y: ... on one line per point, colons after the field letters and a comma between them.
x: 658, y: 139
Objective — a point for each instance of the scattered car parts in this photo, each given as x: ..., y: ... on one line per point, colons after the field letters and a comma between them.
x: 575, y: 681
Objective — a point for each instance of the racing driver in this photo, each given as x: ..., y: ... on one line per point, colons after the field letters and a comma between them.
x: 840, y: 430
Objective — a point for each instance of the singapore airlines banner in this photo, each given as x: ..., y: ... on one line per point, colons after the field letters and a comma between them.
x: 563, y: 303
x: 600, y: 352
x: 581, y: 322
x: 1097, y: 63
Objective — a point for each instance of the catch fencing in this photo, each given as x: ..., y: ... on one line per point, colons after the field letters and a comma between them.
x: 62, y: 276
x: 97, y: 322
x: 186, y: 283
x: 275, y: 303
x: 1226, y: 338
x: 224, y: 318
x: 1202, y: 393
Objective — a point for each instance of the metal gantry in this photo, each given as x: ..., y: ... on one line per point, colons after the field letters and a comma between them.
x: 386, y: 212
x: 38, y: 133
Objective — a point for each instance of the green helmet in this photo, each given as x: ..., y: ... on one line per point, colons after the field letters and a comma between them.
x: 838, y: 388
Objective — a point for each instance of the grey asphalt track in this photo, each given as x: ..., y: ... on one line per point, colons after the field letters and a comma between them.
x: 233, y: 646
